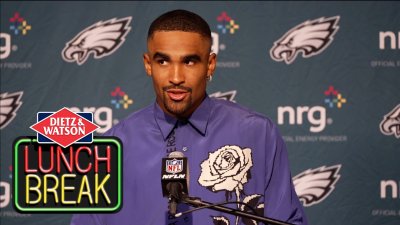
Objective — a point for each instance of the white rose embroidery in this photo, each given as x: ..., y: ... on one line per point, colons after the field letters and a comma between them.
x: 226, y: 169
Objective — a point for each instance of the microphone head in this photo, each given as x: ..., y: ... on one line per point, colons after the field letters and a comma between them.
x: 176, y: 154
x: 175, y: 169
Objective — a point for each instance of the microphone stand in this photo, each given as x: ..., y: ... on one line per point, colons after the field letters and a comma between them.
x: 196, y: 202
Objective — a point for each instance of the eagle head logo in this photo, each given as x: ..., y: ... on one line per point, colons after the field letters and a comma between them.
x: 101, y: 39
x: 390, y: 124
x: 228, y: 96
x: 314, y: 185
x: 9, y: 104
x: 310, y: 38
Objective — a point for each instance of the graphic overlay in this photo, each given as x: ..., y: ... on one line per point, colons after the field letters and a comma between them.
x: 64, y: 168
x: 64, y: 127
x: 80, y: 178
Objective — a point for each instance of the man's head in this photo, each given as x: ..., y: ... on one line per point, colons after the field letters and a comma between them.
x: 180, y: 20
x: 179, y: 61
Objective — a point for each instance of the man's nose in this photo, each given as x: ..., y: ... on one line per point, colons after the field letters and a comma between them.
x: 177, y: 75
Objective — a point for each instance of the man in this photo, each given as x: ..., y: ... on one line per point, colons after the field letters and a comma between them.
x: 234, y: 154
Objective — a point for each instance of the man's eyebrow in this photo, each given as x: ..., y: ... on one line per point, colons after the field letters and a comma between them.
x: 193, y: 57
x: 160, y: 55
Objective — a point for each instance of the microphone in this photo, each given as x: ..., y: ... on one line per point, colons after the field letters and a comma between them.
x: 174, y: 179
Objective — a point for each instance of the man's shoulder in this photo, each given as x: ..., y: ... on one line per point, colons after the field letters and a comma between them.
x: 240, y: 113
x: 135, y: 119
x: 141, y: 114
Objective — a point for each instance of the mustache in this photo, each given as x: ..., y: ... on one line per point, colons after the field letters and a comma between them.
x: 188, y: 89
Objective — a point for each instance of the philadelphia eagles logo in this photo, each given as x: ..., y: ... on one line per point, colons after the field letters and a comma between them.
x: 229, y: 95
x: 310, y: 38
x: 314, y: 185
x: 101, y: 39
x: 390, y: 124
x: 9, y: 104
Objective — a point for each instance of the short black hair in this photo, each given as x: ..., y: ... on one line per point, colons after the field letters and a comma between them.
x: 180, y: 20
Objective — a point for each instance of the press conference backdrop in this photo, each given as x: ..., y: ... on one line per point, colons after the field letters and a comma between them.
x: 328, y: 73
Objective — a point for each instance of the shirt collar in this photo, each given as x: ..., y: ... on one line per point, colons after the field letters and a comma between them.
x: 198, y: 120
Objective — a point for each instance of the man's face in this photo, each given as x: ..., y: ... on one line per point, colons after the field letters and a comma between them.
x: 179, y: 63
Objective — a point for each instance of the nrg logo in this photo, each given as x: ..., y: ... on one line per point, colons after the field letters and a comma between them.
x: 389, y: 37
x: 18, y: 25
x: 391, y: 185
x: 5, y: 194
x: 226, y: 25
x: 316, y: 116
x: 6, y: 47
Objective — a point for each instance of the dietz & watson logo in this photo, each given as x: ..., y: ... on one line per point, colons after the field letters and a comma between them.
x: 65, y: 168
x: 100, y: 39
x: 314, y: 185
x: 64, y: 127
x: 309, y: 38
x: 226, y: 26
x: 19, y: 27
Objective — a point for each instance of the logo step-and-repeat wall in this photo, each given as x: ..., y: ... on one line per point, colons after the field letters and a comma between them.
x: 327, y: 73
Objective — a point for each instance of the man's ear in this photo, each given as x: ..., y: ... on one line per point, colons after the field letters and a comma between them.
x: 147, y: 63
x: 212, y: 62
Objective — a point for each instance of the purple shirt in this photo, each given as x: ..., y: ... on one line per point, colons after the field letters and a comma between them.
x: 234, y: 154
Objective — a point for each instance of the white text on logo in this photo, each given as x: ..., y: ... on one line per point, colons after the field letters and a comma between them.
x: 383, y: 35
x: 6, y: 48
x: 385, y: 184
x: 4, y: 198
x: 316, y: 116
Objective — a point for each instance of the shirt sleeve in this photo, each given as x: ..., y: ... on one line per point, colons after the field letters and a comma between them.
x: 281, y: 201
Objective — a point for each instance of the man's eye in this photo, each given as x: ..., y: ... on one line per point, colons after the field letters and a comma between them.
x: 189, y: 62
x: 162, y: 62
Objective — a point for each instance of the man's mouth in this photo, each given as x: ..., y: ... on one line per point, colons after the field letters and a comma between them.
x: 177, y: 94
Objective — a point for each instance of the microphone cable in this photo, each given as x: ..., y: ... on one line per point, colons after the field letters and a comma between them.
x: 216, y: 204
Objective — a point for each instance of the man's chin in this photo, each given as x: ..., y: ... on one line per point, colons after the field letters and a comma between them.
x: 177, y: 108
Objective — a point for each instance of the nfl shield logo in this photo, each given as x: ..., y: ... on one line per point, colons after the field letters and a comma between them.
x: 174, y: 166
